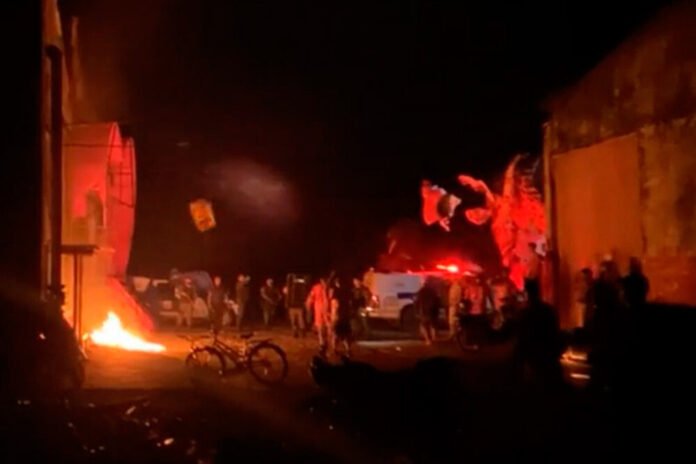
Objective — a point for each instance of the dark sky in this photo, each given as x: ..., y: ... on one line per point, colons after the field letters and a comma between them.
x: 335, y: 109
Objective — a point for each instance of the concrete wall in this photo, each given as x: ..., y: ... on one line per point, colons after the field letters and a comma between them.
x: 668, y: 201
x: 650, y: 78
x: 598, y: 210
x: 633, y: 195
x: 625, y: 135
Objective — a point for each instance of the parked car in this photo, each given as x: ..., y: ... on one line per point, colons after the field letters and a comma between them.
x: 157, y: 295
x: 393, y: 295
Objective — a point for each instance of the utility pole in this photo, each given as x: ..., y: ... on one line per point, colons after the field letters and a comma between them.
x: 549, y: 210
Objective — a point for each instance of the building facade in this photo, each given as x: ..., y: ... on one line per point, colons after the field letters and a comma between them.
x: 620, y: 147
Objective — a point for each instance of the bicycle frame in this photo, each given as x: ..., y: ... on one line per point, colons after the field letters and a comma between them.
x: 237, y: 352
x: 243, y: 353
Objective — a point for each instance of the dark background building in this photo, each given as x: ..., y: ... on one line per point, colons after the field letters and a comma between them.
x: 622, y: 147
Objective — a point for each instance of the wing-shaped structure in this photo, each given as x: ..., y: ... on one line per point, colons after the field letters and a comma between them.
x: 516, y: 214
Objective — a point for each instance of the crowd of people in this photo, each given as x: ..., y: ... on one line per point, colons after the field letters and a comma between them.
x: 331, y: 308
x: 474, y: 307
x: 471, y: 302
x: 334, y: 305
x: 608, y: 292
x: 608, y: 304
x: 604, y: 308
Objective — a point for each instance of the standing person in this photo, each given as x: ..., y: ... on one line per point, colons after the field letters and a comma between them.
x: 186, y: 295
x: 635, y: 285
x: 296, y: 313
x: 270, y: 298
x: 360, y: 298
x: 605, y: 324
x: 503, y: 292
x: 582, y: 296
x: 606, y: 290
x: 241, y: 294
x: 475, y: 298
x: 454, y: 306
x: 216, y: 304
x: 533, y: 263
x: 539, y: 343
x: 318, y: 303
x: 340, y: 297
x: 427, y: 305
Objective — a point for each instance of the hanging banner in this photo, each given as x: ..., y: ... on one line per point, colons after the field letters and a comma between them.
x: 202, y: 214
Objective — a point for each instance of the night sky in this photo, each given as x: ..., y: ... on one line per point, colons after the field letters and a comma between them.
x: 310, y: 124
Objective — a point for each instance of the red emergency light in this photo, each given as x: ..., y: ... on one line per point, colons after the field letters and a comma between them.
x: 451, y: 268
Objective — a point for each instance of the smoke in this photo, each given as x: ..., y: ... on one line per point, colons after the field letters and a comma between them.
x: 120, y: 43
x: 252, y: 191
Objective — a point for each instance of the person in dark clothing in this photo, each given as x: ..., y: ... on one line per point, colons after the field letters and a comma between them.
x: 270, y: 299
x: 340, y: 305
x: 360, y: 295
x: 539, y: 342
x: 241, y: 294
x: 503, y: 298
x: 295, y: 308
x: 606, y: 323
x: 185, y: 293
x: 427, y: 305
x: 635, y: 285
x: 216, y: 304
x: 606, y: 291
x: 473, y: 320
x: 582, y: 296
x: 360, y: 298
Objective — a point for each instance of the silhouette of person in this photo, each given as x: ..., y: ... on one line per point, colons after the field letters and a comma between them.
x: 606, y: 325
x: 539, y: 342
x: 635, y: 285
x: 427, y: 304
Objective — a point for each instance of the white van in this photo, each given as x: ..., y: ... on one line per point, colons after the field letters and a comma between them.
x: 392, y: 298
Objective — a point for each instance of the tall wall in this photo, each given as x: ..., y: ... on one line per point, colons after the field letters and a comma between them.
x: 633, y: 195
x: 98, y: 209
x: 622, y: 145
x: 650, y: 78
x: 668, y: 205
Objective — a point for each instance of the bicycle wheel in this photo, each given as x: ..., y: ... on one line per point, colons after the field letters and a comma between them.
x: 208, y: 359
x: 268, y: 364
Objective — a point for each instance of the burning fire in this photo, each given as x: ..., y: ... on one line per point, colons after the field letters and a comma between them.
x: 112, y: 334
x: 575, y: 356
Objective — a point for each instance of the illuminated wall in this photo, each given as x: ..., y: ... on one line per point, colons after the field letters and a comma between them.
x: 99, y: 207
x: 622, y: 145
x: 597, y: 196
x: 631, y: 196
x: 668, y: 193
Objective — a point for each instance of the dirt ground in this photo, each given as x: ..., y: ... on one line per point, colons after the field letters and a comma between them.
x: 109, y: 368
x: 139, y: 407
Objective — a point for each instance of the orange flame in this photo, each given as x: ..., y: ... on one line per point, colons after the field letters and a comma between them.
x: 112, y: 334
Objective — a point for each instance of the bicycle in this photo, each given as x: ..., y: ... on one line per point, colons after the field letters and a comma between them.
x: 265, y: 360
